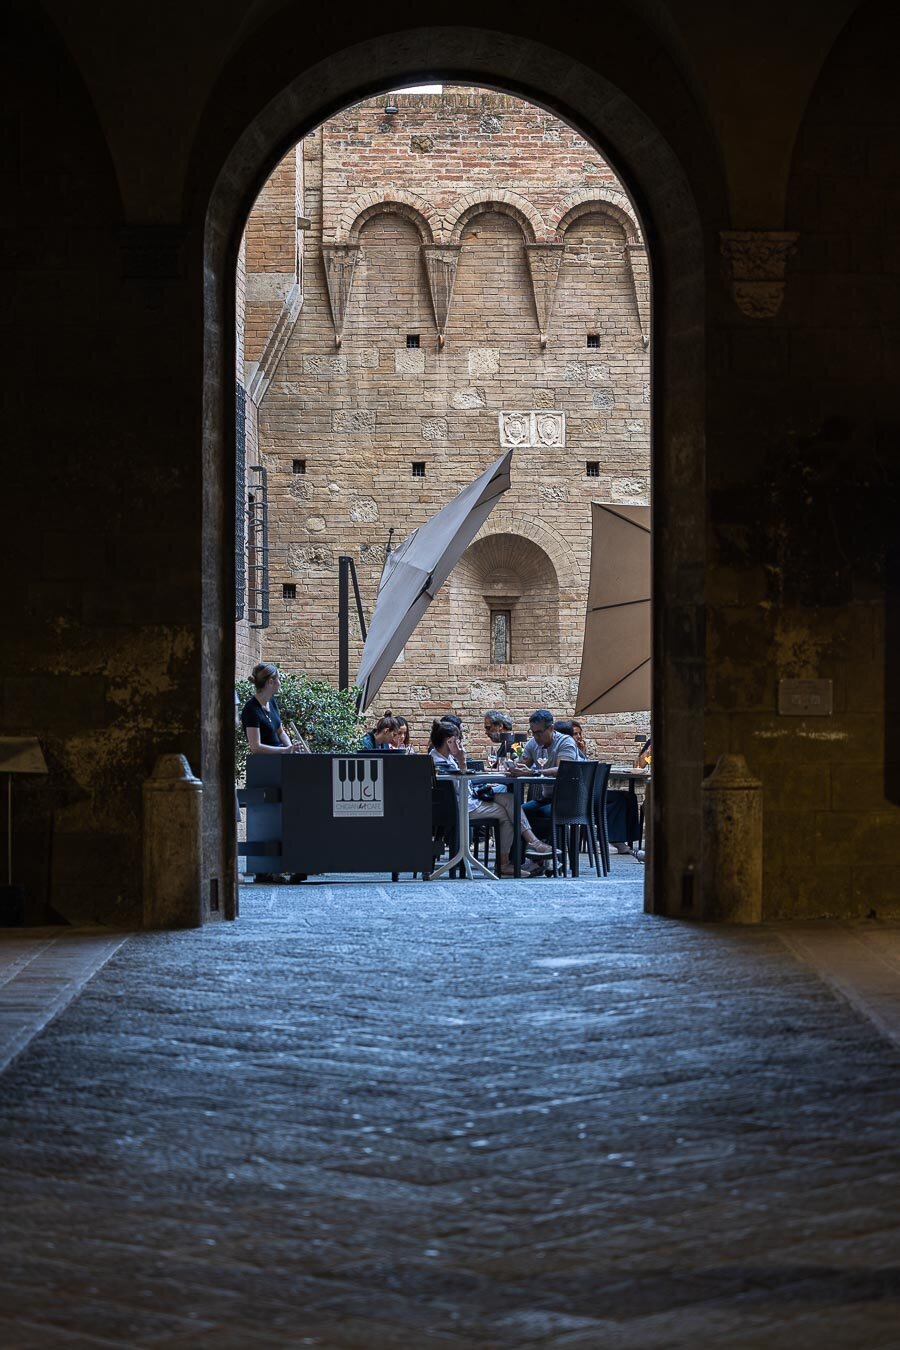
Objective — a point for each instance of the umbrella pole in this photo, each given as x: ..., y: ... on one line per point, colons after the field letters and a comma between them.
x: 344, y: 623
x: 9, y: 828
x: 359, y: 605
x: 346, y: 574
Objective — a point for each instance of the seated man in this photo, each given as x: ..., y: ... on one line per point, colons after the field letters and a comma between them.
x: 546, y: 750
x: 498, y: 728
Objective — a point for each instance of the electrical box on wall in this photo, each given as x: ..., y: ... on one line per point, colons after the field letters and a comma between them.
x: 805, y: 698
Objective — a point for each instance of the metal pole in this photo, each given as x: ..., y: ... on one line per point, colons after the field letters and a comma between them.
x: 9, y: 828
x: 359, y: 606
x: 344, y: 622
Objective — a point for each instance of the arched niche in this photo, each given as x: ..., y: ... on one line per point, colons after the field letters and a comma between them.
x: 511, y: 576
x: 503, y: 203
x: 419, y: 212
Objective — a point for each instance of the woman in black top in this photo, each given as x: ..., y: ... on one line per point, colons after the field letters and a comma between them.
x: 260, y: 717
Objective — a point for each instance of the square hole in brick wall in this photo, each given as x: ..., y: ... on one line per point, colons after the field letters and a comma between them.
x: 592, y: 468
x: 412, y: 341
x: 299, y: 466
x: 418, y: 468
x: 593, y: 339
x: 289, y: 590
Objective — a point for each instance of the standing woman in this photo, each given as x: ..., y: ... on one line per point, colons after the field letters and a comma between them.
x: 260, y: 717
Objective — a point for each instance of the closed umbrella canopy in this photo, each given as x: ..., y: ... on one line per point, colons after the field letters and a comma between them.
x: 418, y: 567
x: 615, y: 663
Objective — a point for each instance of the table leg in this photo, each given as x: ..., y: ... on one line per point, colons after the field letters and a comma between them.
x: 464, y: 853
x: 518, y: 791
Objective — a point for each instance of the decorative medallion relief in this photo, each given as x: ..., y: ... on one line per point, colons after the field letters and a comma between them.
x: 529, y: 430
x: 756, y: 261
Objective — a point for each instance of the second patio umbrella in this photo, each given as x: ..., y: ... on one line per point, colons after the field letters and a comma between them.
x: 418, y: 567
x: 615, y: 663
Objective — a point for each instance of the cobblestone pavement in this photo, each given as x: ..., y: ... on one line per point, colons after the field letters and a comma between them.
x: 40, y: 973
x: 484, y: 1115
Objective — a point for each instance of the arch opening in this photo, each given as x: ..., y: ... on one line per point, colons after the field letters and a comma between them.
x: 316, y: 554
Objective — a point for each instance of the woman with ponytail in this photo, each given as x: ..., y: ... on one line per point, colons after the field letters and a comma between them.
x: 260, y: 717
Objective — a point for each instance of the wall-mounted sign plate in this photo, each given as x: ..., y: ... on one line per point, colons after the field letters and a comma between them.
x: 805, y: 698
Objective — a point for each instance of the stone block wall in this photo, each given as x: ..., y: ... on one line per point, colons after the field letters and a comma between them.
x: 379, y: 432
x: 268, y: 302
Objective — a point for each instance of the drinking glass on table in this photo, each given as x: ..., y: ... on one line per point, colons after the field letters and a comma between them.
x: 540, y: 760
x: 493, y: 756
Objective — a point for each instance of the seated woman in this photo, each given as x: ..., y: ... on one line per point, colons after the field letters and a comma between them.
x: 404, y: 743
x: 445, y: 746
x: 385, y: 735
x: 621, y: 807
x: 444, y: 749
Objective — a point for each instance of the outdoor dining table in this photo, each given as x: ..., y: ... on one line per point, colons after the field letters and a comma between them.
x: 464, y: 856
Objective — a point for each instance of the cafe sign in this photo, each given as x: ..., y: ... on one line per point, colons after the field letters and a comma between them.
x: 357, y: 787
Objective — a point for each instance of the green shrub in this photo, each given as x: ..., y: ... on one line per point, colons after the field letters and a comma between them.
x: 325, y: 717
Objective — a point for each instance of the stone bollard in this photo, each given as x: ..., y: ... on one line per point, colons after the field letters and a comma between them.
x: 172, y: 884
x: 732, y: 843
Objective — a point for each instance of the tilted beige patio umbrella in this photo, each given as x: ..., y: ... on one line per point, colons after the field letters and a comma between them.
x: 615, y: 663
x: 417, y: 569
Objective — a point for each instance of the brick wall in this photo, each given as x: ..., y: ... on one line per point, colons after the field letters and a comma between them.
x: 491, y: 174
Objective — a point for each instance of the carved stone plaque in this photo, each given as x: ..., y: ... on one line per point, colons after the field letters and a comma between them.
x: 515, y: 429
x: 549, y: 428
x: 536, y: 427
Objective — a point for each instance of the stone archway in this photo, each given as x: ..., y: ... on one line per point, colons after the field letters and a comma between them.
x: 643, y: 158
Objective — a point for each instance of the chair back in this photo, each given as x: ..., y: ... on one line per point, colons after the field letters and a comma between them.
x: 601, y: 783
x: 573, y: 794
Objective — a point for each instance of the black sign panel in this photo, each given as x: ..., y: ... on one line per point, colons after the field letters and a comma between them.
x: 340, y: 813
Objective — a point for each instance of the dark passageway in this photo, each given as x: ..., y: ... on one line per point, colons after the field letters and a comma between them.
x: 521, y: 1114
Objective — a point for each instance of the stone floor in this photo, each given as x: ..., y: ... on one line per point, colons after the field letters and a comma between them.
x: 464, y: 1115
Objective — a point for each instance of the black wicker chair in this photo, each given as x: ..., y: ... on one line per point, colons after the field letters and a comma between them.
x: 483, y: 831
x: 572, y: 807
x: 601, y: 783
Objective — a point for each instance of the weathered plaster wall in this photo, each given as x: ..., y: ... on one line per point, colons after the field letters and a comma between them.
x: 804, y: 478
